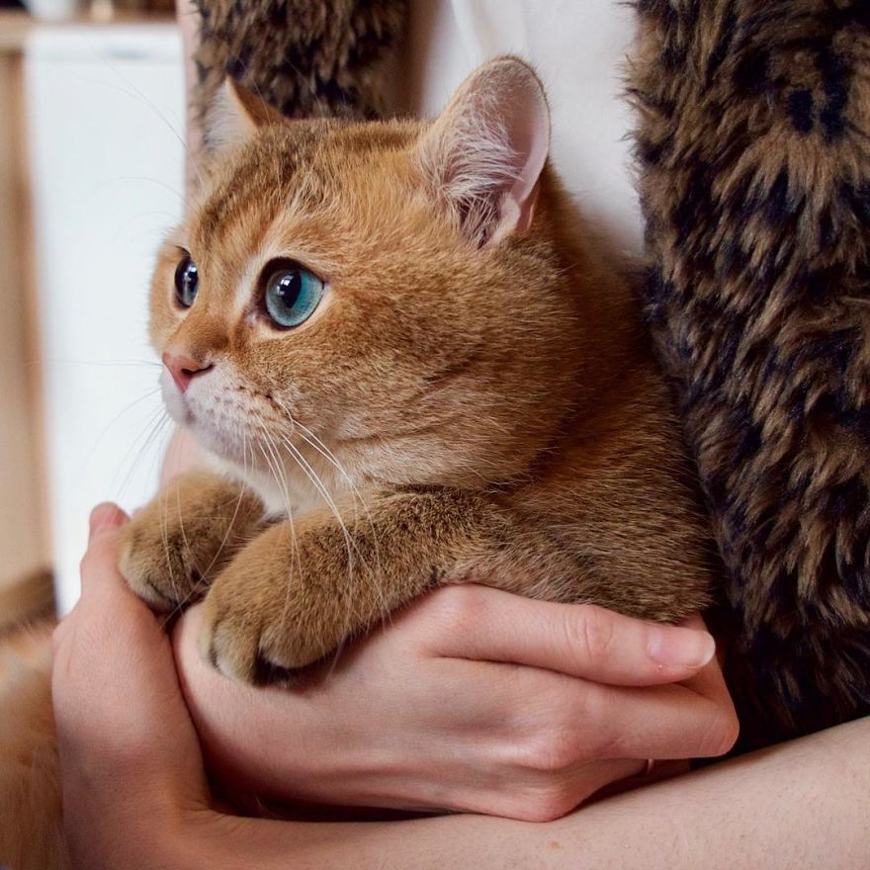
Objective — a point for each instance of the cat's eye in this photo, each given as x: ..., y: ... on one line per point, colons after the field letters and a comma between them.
x: 186, y: 281
x: 291, y: 293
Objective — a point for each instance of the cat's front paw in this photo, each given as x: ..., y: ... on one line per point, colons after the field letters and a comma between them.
x: 174, y: 546
x: 264, y: 638
x: 276, y: 608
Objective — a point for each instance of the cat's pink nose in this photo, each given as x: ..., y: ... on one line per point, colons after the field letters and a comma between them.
x: 183, y: 368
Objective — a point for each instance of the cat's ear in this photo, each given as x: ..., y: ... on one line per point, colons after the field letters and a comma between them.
x: 235, y: 115
x: 485, y: 152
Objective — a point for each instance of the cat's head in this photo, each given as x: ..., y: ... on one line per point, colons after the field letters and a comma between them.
x: 395, y: 293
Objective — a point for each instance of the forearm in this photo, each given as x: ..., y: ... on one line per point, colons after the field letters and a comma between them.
x: 799, y: 805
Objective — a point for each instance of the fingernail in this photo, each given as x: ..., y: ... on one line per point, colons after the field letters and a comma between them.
x: 105, y: 514
x: 680, y: 647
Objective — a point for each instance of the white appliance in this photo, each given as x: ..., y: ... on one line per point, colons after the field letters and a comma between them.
x: 106, y: 123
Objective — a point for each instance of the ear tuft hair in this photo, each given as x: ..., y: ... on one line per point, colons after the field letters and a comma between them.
x: 484, y: 154
x: 235, y: 116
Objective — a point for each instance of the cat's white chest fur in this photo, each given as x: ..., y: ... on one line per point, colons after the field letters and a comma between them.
x: 288, y: 489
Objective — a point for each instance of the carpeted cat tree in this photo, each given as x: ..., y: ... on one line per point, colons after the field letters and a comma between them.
x: 753, y: 144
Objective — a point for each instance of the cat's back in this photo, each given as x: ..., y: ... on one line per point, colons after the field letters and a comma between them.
x: 615, y: 486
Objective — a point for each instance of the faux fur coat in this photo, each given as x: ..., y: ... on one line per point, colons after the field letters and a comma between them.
x: 754, y: 152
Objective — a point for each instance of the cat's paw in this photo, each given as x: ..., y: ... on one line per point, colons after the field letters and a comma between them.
x: 254, y: 646
x: 266, y: 616
x: 156, y: 559
x: 260, y: 639
x: 174, y: 546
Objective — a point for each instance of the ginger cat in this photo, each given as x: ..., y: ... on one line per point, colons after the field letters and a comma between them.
x: 412, y: 369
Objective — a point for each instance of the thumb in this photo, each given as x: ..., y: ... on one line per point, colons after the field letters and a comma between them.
x: 105, y: 517
x: 574, y: 639
x: 99, y: 575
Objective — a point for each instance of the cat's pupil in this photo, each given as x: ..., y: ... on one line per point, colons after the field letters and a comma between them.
x: 186, y: 282
x: 287, y: 288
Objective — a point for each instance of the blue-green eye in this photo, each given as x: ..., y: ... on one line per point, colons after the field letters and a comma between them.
x: 186, y: 282
x: 292, y: 293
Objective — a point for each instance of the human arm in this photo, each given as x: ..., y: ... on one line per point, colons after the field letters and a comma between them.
x: 797, y: 806
x: 135, y: 793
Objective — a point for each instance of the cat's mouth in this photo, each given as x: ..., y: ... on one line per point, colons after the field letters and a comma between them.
x: 177, y: 406
x: 231, y: 420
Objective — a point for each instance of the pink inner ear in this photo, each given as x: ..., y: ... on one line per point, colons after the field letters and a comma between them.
x: 527, y: 210
x: 486, y: 150
x: 527, y: 121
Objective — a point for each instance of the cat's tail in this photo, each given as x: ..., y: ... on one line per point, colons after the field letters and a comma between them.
x: 30, y: 796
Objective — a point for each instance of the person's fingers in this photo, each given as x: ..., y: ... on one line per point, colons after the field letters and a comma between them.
x: 664, y: 722
x: 114, y: 685
x: 62, y: 630
x: 476, y: 622
x: 99, y: 572
x: 98, y: 578
x: 109, y: 622
x: 559, y: 721
x: 105, y: 516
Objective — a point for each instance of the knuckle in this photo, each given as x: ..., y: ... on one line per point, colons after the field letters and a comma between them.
x: 606, y: 746
x: 550, y: 750
x: 592, y: 630
x: 720, y: 735
x: 456, y: 607
x: 99, y: 553
x: 89, y: 561
x: 550, y: 804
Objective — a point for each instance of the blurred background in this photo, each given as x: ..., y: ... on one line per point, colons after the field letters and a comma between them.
x: 91, y: 175
x: 91, y: 164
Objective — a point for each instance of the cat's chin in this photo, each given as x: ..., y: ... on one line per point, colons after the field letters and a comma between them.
x: 217, y: 443
x: 208, y: 436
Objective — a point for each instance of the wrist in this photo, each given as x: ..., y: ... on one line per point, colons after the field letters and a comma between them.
x: 135, y: 830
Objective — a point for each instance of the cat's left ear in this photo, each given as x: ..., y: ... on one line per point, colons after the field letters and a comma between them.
x: 485, y: 152
x: 235, y: 115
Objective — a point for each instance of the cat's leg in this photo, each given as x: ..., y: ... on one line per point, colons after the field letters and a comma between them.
x: 172, y: 548
x: 295, y: 594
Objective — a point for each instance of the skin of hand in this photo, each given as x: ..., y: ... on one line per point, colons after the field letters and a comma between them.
x: 471, y: 700
x: 131, y: 759
x: 135, y: 793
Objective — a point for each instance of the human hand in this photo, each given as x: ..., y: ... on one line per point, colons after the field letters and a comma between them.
x: 132, y: 772
x: 471, y: 700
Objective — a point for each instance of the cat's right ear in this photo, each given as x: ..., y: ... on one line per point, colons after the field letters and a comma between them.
x: 235, y: 116
x: 484, y: 154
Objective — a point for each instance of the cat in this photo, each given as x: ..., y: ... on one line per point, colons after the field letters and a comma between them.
x: 412, y: 370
